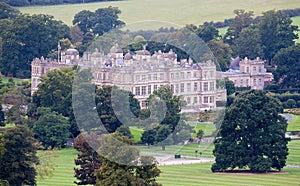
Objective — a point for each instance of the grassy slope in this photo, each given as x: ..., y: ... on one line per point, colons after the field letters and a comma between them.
x: 178, y: 12
x: 294, y: 124
x: 296, y: 21
x: 64, y: 170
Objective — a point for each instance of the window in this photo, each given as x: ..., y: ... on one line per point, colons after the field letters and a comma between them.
x: 188, y: 74
x: 161, y: 76
x: 182, y: 75
x: 211, y: 99
x: 143, y: 90
x: 259, y: 81
x: 205, y: 86
x: 211, y: 74
x: 247, y: 82
x: 254, y: 69
x: 247, y: 69
x: 149, y: 77
x: 242, y: 81
x: 137, y: 91
x: 259, y: 70
x: 195, y: 74
x: 181, y: 87
x: 254, y: 82
x: 172, y: 88
x: 177, y: 88
x: 154, y: 87
x: 154, y: 77
x: 137, y: 78
x: 195, y: 100
x: 188, y: 87
x: 211, y: 86
x: 205, y: 100
x: 195, y: 87
x: 143, y: 77
x: 149, y: 89
x: 172, y: 75
x: 188, y: 100
x: 177, y: 75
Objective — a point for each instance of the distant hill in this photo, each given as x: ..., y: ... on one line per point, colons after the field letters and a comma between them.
x: 47, y: 2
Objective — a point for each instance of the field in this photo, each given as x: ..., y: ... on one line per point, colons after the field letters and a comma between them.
x: 200, y: 174
x: 165, y: 13
x: 64, y: 169
x: 294, y: 124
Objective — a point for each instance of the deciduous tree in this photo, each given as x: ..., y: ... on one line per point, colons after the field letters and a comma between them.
x: 17, y: 162
x: 252, y: 135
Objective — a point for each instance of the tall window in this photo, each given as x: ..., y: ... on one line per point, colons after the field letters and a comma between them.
x: 188, y: 87
x: 172, y: 88
x: 143, y: 90
x: 143, y: 77
x: 149, y: 89
x: 188, y: 74
x: 182, y: 75
x: 137, y: 91
x: 154, y: 87
x: 205, y: 86
x: 154, y: 77
x: 211, y: 86
x: 137, y: 78
x: 162, y: 76
x: 195, y: 100
x: 177, y: 75
x: 181, y: 87
x: 205, y: 100
x: 176, y: 88
x: 149, y: 77
x: 195, y: 87
x: 211, y: 99
x: 188, y: 100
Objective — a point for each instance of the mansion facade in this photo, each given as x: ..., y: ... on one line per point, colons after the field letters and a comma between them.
x: 142, y: 73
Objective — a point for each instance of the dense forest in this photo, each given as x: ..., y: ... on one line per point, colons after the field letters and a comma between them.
x: 47, y: 2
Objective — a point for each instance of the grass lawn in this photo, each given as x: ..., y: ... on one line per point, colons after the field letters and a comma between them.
x: 208, y: 129
x: 177, y: 12
x: 294, y: 124
x: 294, y: 152
x: 16, y: 80
x: 64, y: 169
x: 136, y: 132
x: 200, y: 174
x: 296, y: 21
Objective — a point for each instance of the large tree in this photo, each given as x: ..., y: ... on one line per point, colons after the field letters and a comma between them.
x: 222, y: 52
x: 55, y: 92
x: 8, y: 12
x: 29, y: 37
x: 248, y: 44
x: 98, y: 22
x: 287, y: 61
x: 242, y: 20
x: 120, y: 164
x: 277, y: 32
x: 252, y: 135
x: 17, y: 162
x: 88, y: 161
x: 51, y: 128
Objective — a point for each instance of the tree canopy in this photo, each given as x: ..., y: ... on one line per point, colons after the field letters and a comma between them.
x: 252, y: 135
x: 287, y: 61
x: 17, y: 162
x: 98, y: 22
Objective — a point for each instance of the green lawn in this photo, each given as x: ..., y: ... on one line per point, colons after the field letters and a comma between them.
x: 296, y: 21
x: 64, y: 169
x: 294, y: 152
x: 200, y: 174
x: 208, y: 129
x: 294, y: 124
x: 136, y: 132
x: 16, y: 80
x: 176, y: 12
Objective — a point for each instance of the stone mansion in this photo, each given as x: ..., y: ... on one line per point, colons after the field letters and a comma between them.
x: 142, y: 73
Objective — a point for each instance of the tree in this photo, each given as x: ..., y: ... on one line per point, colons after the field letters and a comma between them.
x: 55, y: 92
x: 242, y: 20
x: 227, y: 84
x: 29, y: 37
x: 8, y: 12
x: 120, y: 167
x: 252, y: 135
x: 51, y: 128
x: 98, y: 22
x: 222, y: 52
x: 107, y: 107
x: 206, y: 31
x: 277, y: 32
x: 124, y: 131
x: 17, y: 162
x: 287, y: 61
x: 88, y: 160
x: 248, y: 44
